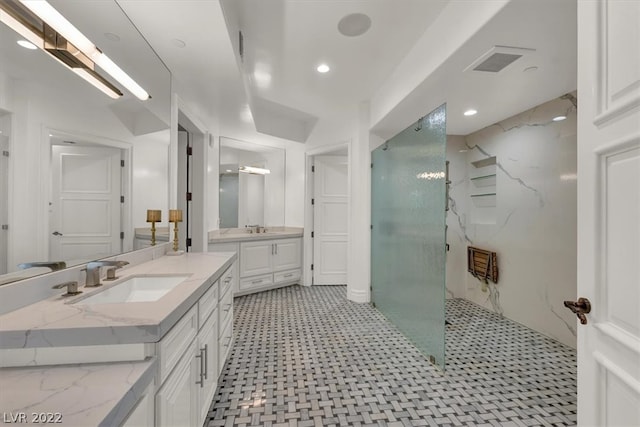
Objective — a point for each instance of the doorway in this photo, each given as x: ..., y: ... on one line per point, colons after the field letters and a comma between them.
x: 327, y: 216
x: 192, y: 184
x: 86, y: 208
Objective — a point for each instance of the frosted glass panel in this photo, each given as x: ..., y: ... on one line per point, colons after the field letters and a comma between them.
x: 408, y: 234
x: 228, y: 200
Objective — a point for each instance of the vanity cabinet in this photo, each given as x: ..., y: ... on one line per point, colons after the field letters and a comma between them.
x: 229, y: 247
x: 142, y: 413
x: 200, y: 342
x: 263, y: 263
x: 177, y: 400
x: 269, y: 263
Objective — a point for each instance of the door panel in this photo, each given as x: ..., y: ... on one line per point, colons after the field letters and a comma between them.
x: 330, y: 220
x: 256, y: 258
x: 85, y: 207
x: 287, y: 254
x: 609, y: 206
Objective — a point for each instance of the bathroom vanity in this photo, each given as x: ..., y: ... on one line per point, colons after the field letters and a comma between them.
x: 144, y: 349
x: 265, y: 260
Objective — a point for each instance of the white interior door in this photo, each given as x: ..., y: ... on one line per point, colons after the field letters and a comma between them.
x: 609, y: 207
x: 85, y: 204
x: 330, y: 220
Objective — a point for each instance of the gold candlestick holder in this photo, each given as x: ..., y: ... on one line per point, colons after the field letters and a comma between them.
x: 153, y: 216
x: 175, y: 216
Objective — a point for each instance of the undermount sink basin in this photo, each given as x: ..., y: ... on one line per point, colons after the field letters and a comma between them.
x: 136, y: 289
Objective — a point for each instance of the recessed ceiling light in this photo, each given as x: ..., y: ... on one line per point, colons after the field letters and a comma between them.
x: 354, y: 24
x: 559, y: 118
x: 323, y: 68
x: 113, y: 37
x: 530, y: 69
x: 27, y: 44
x: 470, y: 112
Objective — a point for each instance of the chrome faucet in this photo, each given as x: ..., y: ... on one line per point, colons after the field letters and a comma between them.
x: 253, y: 228
x: 53, y: 265
x: 93, y: 271
x: 72, y: 288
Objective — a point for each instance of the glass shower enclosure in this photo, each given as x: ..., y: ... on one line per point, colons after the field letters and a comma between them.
x: 408, y: 247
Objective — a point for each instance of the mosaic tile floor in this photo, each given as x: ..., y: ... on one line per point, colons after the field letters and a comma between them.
x: 309, y: 357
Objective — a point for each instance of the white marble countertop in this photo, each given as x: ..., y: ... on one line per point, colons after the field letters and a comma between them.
x: 58, y: 322
x: 241, y: 234
x: 75, y: 395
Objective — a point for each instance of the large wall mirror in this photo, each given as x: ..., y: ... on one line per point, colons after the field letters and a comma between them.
x: 79, y: 168
x: 252, y: 184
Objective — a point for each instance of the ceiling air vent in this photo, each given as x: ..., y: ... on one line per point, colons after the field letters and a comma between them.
x: 498, y: 58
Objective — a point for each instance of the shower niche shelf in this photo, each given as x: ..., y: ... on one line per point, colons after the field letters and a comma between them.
x: 483, y: 191
x: 485, y: 180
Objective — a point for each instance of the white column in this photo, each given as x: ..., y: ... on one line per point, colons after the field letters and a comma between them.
x: 359, y: 249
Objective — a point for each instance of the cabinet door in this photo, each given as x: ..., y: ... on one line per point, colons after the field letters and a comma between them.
x: 255, y: 258
x: 207, y: 345
x: 287, y: 254
x: 177, y: 400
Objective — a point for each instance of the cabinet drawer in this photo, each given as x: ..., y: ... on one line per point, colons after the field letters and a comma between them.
x: 176, y: 341
x: 256, y: 282
x: 207, y: 304
x: 225, y: 308
x: 226, y: 280
x: 287, y: 276
x: 225, y: 340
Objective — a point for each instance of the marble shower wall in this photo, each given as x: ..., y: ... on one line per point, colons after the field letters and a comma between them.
x: 530, y: 221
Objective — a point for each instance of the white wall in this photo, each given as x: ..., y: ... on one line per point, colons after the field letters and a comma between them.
x: 532, y: 227
x: 150, y: 176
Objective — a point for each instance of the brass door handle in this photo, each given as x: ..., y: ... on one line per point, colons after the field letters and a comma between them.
x: 580, y: 308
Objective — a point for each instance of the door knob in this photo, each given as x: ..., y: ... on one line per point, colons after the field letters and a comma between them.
x: 57, y: 233
x: 580, y: 308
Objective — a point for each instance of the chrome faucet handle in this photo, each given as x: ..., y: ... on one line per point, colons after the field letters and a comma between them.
x: 111, y: 273
x: 93, y: 271
x: 72, y: 288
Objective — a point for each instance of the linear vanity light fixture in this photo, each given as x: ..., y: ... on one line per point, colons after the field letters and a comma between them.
x: 254, y: 170
x: 44, y: 37
x: 48, y: 14
x: 60, y: 24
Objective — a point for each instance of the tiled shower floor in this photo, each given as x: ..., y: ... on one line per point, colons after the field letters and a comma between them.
x: 307, y: 356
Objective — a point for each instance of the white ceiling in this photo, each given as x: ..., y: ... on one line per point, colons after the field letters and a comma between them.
x: 286, y: 39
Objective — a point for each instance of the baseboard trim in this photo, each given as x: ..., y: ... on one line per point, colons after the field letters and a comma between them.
x: 357, y: 295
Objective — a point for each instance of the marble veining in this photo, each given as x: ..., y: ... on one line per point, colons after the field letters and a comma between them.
x: 570, y: 327
x: 461, y: 222
x: 508, y: 174
x: 59, y: 322
x: 494, y: 298
x: 532, y: 226
x: 82, y: 394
